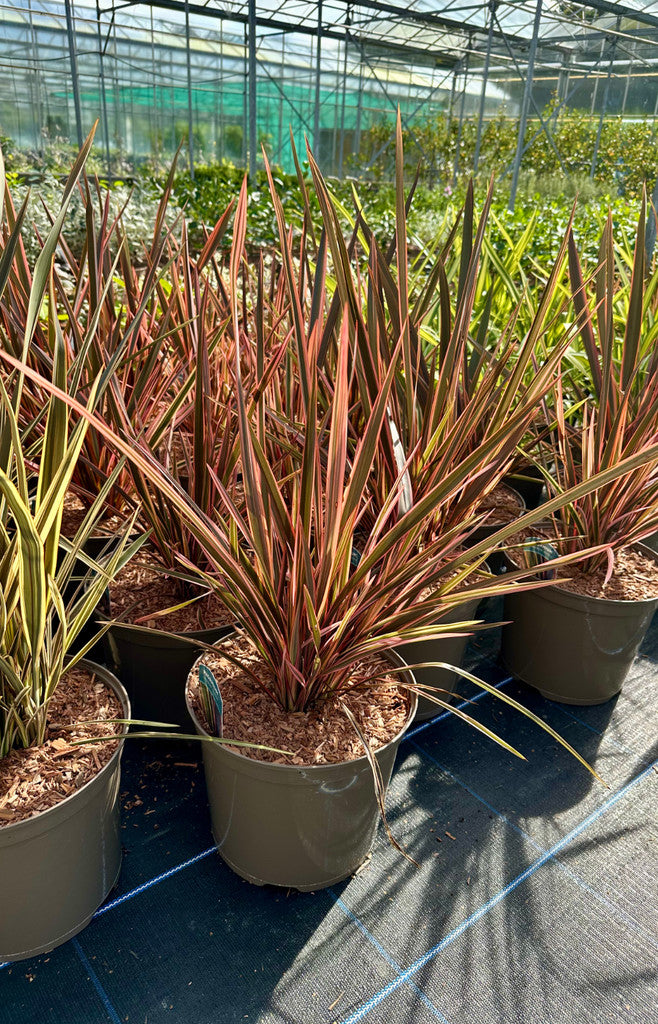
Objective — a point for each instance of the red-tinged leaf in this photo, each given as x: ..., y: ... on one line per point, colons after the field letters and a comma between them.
x: 585, y: 327
x: 215, y: 237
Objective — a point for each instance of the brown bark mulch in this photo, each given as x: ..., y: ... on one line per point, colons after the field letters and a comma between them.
x: 147, y: 591
x: 634, y: 575
x: 37, y: 778
x: 634, y: 578
x: 504, y: 505
x: 323, y: 735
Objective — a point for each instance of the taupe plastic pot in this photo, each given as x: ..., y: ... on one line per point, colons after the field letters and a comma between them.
x: 302, y: 828
x: 449, y: 649
x: 651, y: 542
x: 154, y: 669
x: 574, y: 649
x: 59, y: 866
x: 529, y: 483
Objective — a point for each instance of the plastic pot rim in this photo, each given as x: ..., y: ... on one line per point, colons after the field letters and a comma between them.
x: 297, y: 774
x: 156, y: 637
x: 557, y: 594
x: 43, y: 821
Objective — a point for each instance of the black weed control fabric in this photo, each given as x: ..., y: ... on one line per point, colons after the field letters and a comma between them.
x: 535, y: 900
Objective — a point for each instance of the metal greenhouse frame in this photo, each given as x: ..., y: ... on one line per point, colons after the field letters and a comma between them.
x: 232, y: 74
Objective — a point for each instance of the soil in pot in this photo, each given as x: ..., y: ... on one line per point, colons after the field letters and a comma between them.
x: 153, y: 667
x: 504, y: 505
x: 308, y: 820
x: 575, y: 642
x: 60, y: 851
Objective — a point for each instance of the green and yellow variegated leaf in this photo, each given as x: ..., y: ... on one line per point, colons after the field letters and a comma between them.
x: 43, y: 264
x: 32, y: 570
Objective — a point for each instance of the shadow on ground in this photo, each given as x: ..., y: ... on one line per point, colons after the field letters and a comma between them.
x: 532, y: 901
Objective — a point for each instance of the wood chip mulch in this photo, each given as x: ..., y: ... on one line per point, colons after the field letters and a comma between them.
x: 506, y: 505
x: 321, y: 736
x: 150, y: 591
x: 73, y: 516
x: 37, y: 778
x: 634, y: 577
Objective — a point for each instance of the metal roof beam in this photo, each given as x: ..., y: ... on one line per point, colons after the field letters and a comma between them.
x: 620, y: 10
x: 637, y: 35
x: 377, y: 46
x: 433, y: 20
x: 430, y: 19
x: 345, y: 35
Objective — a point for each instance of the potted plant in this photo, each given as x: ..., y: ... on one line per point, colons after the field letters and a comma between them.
x: 315, y: 631
x: 147, y: 339
x: 161, y: 601
x: 59, y: 812
x: 311, y: 659
x: 108, y: 314
x: 312, y: 656
x: 458, y: 409
x: 575, y: 642
x: 59, y: 802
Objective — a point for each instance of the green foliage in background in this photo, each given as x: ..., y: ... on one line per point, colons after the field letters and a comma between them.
x: 626, y: 159
x: 628, y: 156
x: 545, y: 202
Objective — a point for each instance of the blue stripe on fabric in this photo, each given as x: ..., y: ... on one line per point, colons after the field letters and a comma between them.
x: 387, y: 956
x: 495, y: 900
x: 206, y: 853
x: 447, y: 714
x: 618, y: 911
x: 105, y: 999
x: 154, y: 881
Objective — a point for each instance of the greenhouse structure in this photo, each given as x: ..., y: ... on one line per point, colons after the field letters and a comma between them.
x: 233, y: 76
x: 328, y: 511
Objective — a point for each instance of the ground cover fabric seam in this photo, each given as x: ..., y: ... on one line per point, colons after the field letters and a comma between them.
x: 105, y: 999
x: 628, y: 919
x: 153, y: 881
x: 502, y: 894
x: 386, y: 955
